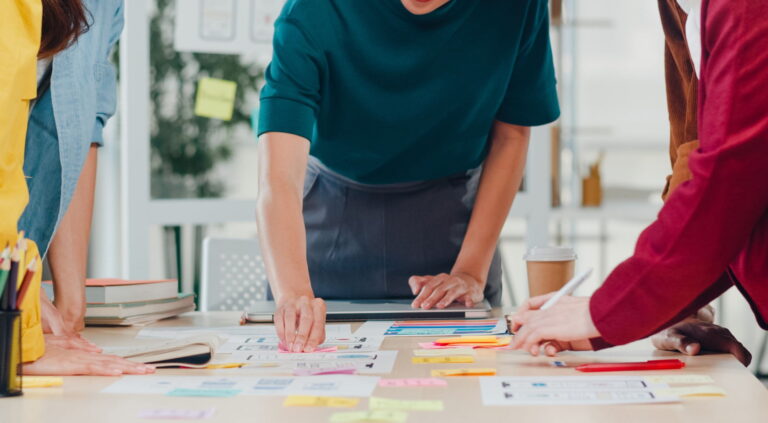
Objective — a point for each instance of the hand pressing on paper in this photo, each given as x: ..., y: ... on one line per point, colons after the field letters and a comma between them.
x: 300, y: 322
x: 567, y: 325
x: 698, y: 333
x: 67, y: 362
x: 442, y: 290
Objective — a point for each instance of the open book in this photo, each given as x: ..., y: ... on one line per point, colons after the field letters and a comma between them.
x: 194, y: 351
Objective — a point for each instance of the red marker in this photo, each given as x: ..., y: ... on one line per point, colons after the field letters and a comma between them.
x: 623, y: 367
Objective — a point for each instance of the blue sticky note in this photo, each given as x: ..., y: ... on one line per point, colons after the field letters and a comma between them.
x: 220, y: 393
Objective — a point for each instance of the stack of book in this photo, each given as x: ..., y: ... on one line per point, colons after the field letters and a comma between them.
x: 118, y: 302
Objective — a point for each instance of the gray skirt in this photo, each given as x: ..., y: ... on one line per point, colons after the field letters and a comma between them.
x: 365, y: 241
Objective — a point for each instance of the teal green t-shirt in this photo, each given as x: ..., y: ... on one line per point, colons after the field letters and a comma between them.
x: 386, y: 96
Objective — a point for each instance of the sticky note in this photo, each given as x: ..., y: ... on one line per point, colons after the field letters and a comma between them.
x: 312, y: 401
x: 680, y: 379
x: 499, y: 343
x: 443, y: 352
x: 463, y: 372
x: 692, y: 391
x: 370, y: 416
x: 376, y: 403
x: 443, y: 360
x: 171, y: 414
x: 433, y: 346
x: 225, y: 366
x: 468, y: 340
x: 411, y: 382
x: 221, y: 393
x: 215, y: 98
x: 41, y: 381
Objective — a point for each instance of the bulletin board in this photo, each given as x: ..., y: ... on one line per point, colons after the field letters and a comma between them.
x: 226, y: 26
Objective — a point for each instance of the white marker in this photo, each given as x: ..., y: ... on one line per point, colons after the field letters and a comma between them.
x: 567, y: 289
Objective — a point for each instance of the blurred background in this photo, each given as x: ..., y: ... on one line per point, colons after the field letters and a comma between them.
x: 169, y: 177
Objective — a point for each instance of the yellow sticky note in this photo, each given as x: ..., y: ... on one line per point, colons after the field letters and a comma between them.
x: 692, y: 391
x: 215, y: 98
x: 444, y: 352
x: 225, y: 366
x: 680, y: 379
x: 463, y: 372
x: 468, y: 340
x: 40, y: 381
x: 443, y: 360
x: 312, y: 401
x: 370, y: 416
x: 405, y: 405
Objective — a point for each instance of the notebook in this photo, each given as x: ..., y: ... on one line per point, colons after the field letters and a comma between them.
x: 194, y: 351
x: 142, y: 319
x: 124, y: 310
x: 101, y: 291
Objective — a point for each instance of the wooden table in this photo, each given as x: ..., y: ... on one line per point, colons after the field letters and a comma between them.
x: 79, y: 400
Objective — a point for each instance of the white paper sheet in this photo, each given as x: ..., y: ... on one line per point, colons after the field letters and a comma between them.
x: 375, y: 362
x: 337, y: 385
x: 331, y: 331
x: 270, y: 344
x: 385, y: 328
x: 570, y: 390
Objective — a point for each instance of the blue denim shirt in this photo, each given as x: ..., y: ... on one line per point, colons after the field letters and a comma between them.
x: 67, y: 118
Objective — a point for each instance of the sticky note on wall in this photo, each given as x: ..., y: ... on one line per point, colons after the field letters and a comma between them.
x: 215, y: 98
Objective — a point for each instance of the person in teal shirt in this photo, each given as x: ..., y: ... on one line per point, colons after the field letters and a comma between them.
x: 392, y: 141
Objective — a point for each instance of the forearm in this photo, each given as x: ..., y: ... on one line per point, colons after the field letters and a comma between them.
x: 68, y: 253
x: 709, y: 220
x: 279, y: 216
x: 501, y: 178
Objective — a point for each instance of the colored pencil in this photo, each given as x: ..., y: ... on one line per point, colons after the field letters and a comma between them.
x: 9, y: 299
x: 5, y: 269
x: 11, y: 286
x: 24, y: 287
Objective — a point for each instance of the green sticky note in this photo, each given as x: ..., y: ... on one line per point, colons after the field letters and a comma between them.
x: 410, y: 405
x: 215, y: 98
x: 370, y: 416
x: 220, y: 393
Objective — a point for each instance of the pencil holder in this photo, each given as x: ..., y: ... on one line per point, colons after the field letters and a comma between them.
x: 10, y: 353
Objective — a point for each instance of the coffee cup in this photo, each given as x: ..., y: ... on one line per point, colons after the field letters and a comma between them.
x: 549, y: 268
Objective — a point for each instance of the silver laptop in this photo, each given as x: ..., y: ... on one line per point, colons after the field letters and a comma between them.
x: 339, y: 310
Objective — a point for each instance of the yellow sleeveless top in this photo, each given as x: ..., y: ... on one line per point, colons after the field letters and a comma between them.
x: 20, y: 28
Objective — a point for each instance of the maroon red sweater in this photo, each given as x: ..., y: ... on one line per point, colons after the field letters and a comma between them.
x: 720, y: 217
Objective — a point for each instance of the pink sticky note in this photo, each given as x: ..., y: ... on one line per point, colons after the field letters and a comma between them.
x: 172, y: 414
x: 282, y: 349
x: 411, y: 382
x: 433, y: 346
x: 327, y: 371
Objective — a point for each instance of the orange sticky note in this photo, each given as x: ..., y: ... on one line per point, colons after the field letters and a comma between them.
x: 468, y: 340
x: 463, y: 372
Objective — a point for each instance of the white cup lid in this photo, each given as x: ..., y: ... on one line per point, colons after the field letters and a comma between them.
x: 550, y: 254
